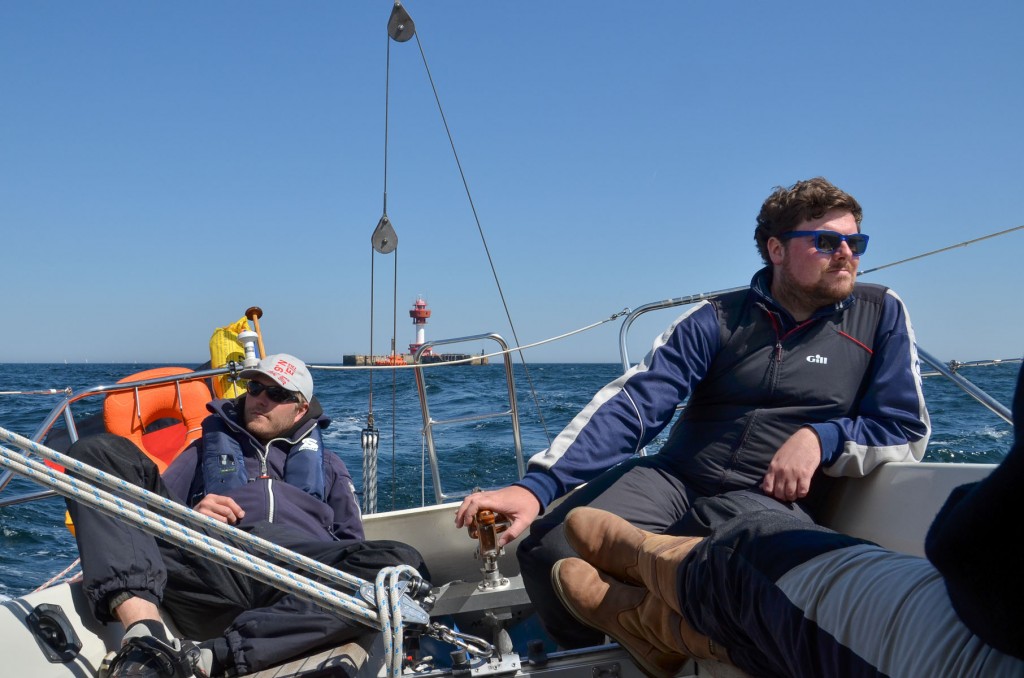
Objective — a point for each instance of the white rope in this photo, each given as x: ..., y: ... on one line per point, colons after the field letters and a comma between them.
x: 389, y: 611
x: 184, y: 513
x: 54, y: 579
x: 158, y: 525
x: 370, y: 440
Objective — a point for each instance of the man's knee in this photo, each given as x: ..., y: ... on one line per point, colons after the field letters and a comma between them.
x: 105, y: 450
x: 404, y: 554
x: 366, y: 558
x: 540, y: 550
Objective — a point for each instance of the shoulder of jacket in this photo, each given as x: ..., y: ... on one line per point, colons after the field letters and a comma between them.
x: 870, y: 292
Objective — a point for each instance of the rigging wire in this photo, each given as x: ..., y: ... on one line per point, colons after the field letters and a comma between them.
x: 483, y: 238
x: 394, y: 385
x: 372, y: 286
x: 965, y: 243
x: 383, y: 240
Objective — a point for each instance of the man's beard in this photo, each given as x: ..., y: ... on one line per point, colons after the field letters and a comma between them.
x: 264, y: 429
x: 825, y: 292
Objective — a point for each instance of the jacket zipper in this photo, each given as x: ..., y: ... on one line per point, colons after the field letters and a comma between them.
x: 776, y: 367
x: 775, y: 360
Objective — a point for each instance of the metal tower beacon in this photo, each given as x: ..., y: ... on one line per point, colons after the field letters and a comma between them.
x: 419, y: 314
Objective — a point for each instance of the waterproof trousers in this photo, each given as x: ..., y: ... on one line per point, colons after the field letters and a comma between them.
x: 252, y: 625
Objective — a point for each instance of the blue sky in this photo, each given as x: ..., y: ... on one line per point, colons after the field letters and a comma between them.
x: 164, y: 166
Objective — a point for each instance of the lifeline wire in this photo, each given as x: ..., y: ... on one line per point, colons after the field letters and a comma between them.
x: 448, y: 363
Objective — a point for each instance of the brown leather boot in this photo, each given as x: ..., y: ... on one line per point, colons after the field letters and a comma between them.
x: 601, y: 602
x: 616, y: 546
x: 666, y: 628
x: 657, y: 637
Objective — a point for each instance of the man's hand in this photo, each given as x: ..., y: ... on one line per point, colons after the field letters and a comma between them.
x: 517, y: 503
x: 220, y: 508
x: 789, y: 475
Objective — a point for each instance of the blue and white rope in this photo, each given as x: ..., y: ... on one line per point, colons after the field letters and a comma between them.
x: 387, y: 616
x: 389, y: 611
x: 184, y: 513
x: 160, y: 526
x: 370, y: 443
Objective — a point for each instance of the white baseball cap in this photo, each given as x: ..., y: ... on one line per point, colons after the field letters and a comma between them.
x: 287, y: 370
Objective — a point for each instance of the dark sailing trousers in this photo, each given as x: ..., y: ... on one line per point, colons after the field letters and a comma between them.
x: 649, y: 493
x: 259, y: 625
x: 793, y: 600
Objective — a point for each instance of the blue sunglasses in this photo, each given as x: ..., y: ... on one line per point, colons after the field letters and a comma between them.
x: 828, y: 242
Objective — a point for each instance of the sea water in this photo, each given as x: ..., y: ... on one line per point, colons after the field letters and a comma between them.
x: 34, y: 544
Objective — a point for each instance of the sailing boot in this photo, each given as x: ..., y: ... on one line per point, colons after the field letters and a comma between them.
x: 601, y: 602
x: 658, y: 638
x: 616, y: 546
x: 667, y: 628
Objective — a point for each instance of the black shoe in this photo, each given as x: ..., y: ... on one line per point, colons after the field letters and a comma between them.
x: 148, y: 657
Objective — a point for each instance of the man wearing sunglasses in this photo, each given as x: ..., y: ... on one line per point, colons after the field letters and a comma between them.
x: 801, y: 376
x: 260, y: 466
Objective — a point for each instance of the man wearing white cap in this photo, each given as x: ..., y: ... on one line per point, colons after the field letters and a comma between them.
x: 261, y: 466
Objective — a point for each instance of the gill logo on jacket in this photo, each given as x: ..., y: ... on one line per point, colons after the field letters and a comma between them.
x: 819, y: 359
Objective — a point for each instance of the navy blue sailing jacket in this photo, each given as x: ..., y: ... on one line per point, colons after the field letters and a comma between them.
x: 752, y: 376
x: 320, y: 504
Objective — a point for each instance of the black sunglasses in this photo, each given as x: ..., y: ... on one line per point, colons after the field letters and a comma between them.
x: 828, y: 242
x: 275, y: 393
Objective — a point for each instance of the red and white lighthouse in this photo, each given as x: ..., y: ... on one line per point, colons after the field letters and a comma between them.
x: 419, y: 314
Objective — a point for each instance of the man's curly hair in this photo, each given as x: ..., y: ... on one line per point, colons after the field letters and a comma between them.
x: 787, y: 208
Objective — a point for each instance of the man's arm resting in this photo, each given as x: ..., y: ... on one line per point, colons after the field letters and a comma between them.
x: 789, y: 474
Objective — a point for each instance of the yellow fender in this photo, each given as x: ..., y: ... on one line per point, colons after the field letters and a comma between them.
x: 225, y: 347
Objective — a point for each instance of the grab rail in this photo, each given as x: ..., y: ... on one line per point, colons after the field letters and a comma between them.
x: 657, y: 306
x: 440, y: 496
x: 968, y: 387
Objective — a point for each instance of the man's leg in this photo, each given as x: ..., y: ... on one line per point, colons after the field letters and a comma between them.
x: 709, y: 513
x: 643, y: 491
x: 728, y: 591
x: 792, y: 599
x: 271, y: 627
x: 115, y: 556
x: 123, y: 568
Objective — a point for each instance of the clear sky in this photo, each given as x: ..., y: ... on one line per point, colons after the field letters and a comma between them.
x: 165, y: 165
